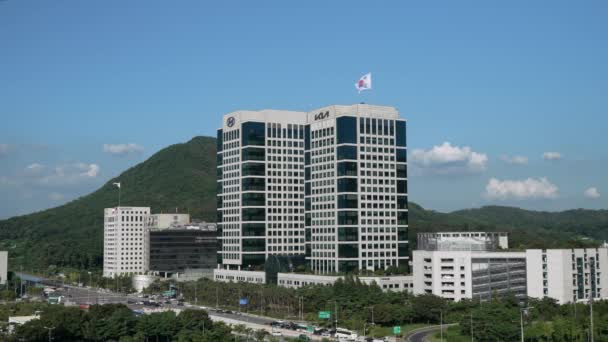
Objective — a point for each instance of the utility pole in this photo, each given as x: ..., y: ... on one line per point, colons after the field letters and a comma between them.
x: 261, y: 302
x: 50, y: 329
x: 521, y: 323
x: 472, y: 340
x: 195, y: 292
x: 591, y: 316
x: 336, y: 309
x: 217, y: 296
x: 441, y: 325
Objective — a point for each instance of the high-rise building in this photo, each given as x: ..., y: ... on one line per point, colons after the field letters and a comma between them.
x: 568, y: 275
x: 260, y: 201
x: 123, y: 247
x: 355, y: 189
x: 330, y: 184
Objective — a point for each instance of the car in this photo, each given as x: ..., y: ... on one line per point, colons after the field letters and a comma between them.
x: 276, y: 333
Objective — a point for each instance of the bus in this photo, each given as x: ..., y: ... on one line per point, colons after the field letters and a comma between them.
x: 345, y: 335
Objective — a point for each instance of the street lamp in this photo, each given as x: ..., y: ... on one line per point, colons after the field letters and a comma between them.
x: 521, y: 319
x: 50, y: 329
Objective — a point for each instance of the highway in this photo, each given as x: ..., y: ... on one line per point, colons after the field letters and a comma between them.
x: 422, y: 334
x: 76, y: 295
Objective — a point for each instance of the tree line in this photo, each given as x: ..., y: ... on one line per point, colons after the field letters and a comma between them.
x: 116, y: 322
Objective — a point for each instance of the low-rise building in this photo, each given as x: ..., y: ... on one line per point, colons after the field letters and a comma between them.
x: 180, y: 247
x: 462, y: 241
x: 458, y: 275
x: 568, y: 275
x: 225, y: 275
x: 386, y: 283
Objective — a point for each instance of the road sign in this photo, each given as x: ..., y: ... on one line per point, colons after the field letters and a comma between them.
x: 396, y: 330
x: 325, y: 314
x: 243, y: 301
x: 310, y: 329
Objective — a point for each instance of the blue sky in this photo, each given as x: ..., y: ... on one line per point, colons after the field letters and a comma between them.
x: 502, y: 83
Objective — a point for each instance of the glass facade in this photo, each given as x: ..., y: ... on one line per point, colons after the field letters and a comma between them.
x: 347, y: 130
x: 175, y: 250
x: 253, y: 134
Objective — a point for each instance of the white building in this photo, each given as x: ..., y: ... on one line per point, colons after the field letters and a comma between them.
x: 164, y: 221
x: 479, y: 275
x: 330, y: 184
x: 123, y: 247
x: 3, y: 267
x: 387, y: 283
x: 235, y: 276
x: 463, y: 241
x: 568, y: 275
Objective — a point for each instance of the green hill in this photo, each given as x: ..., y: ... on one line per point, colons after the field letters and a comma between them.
x: 183, y: 176
x: 180, y: 176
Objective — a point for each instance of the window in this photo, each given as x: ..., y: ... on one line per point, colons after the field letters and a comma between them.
x: 401, y: 155
x: 346, y: 130
x: 253, y: 133
x: 348, y: 234
x: 400, y: 134
x: 347, y: 184
x: 347, y: 152
x: 347, y: 169
x: 348, y: 251
x: 348, y: 201
x: 254, y: 169
x: 254, y: 153
x: 253, y: 214
x: 348, y: 217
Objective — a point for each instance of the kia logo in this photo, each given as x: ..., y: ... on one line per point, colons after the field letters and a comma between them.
x: 321, y: 116
x: 230, y: 121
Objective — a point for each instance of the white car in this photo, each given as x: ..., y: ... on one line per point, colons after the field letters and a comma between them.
x: 276, y: 333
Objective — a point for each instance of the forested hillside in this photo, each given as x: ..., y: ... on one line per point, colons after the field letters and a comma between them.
x: 180, y: 176
x: 183, y: 176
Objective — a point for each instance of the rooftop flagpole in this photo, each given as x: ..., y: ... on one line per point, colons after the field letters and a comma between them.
x: 118, y: 185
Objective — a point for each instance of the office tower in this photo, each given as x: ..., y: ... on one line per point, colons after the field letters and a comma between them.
x: 260, y: 163
x: 356, y: 214
x: 123, y: 247
x: 330, y: 184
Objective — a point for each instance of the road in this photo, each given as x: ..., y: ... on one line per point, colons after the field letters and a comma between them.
x: 83, y: 295
x: 422, y: 334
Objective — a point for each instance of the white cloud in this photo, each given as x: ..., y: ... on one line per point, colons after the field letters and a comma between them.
x: 592, y: 193
x: 4, y: 149
x: 552, y: 156
x: 34, y: 168
x: 518, y: 160
x: 62, y: 175
x: 69, y: 174
x: 521, y: 189
x: 447, y: 159
x: 122, y: 149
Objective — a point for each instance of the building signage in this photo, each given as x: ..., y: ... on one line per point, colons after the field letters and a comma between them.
x: 322, y: 116
x: 230, y: 122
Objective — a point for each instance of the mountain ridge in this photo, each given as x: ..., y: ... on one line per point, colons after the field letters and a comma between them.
x: 183, y: 177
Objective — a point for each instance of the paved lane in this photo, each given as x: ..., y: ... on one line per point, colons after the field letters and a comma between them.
x: 422, y: 334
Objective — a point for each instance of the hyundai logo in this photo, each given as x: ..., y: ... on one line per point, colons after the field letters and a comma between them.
x: 230, y: 121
